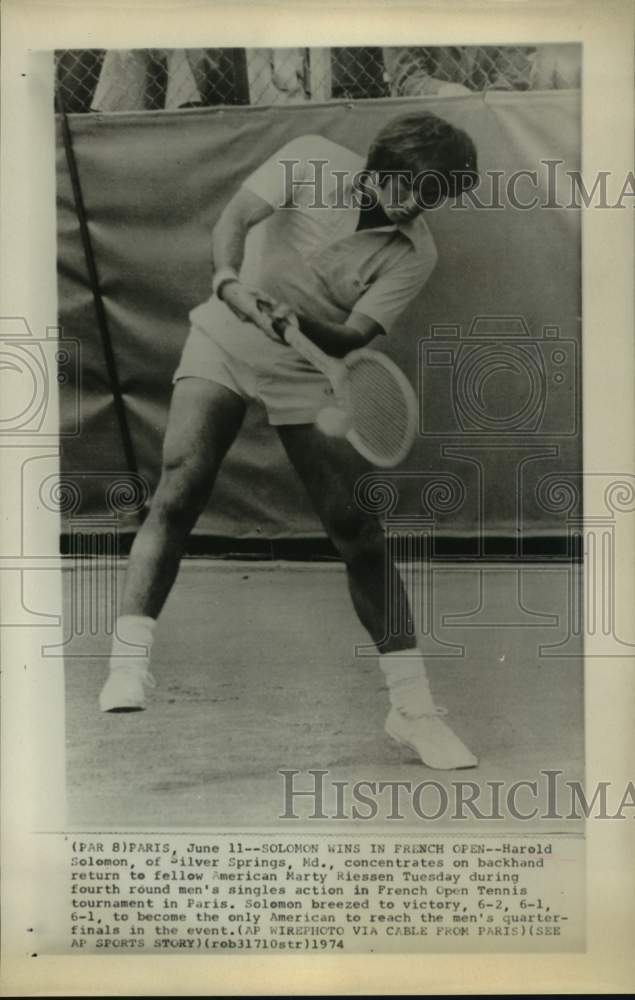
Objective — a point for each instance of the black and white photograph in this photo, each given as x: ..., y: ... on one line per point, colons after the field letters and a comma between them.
x: 327, y: 306
x: 316, y: 340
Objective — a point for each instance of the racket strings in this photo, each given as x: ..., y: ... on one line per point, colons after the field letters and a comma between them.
x: 380, y: 410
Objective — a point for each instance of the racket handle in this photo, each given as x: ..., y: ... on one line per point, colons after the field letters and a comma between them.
x: 293, y: 336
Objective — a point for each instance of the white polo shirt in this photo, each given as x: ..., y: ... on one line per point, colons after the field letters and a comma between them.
x: 313, y: 258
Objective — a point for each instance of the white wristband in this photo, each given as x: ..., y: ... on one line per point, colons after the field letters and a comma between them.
x: 221, y: 276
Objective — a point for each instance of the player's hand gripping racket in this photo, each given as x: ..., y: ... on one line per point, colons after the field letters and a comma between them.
x: 376, y: 405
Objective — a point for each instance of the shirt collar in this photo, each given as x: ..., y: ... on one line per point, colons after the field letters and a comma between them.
x: 415, y: 230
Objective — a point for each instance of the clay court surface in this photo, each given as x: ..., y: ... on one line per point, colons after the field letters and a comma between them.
x: 256, y: 670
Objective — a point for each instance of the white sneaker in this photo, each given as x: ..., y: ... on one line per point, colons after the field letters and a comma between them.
x: 124, y: 691
x: 431, y: 738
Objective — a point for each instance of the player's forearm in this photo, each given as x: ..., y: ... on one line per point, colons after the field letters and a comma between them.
x: 335, y: 339
x: 230, y: 232
x: 228, y: 242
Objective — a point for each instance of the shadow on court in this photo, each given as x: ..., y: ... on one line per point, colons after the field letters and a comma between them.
x: 256, y: 671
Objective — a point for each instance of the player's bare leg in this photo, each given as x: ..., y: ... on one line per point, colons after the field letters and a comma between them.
x: 203, y: 422
x: 329, y: 469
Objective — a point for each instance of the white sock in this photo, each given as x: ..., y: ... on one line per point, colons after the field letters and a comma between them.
x: 133, y: 638
x: 407, y: 680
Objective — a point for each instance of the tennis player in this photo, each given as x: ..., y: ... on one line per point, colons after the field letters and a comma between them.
x: 344, y: 248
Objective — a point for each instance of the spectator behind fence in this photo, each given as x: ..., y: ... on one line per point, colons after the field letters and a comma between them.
x: 556, y: 67
x: 454, y: 70
x: 146, y: 79
x: 130, y: 80
x: 416, y: 71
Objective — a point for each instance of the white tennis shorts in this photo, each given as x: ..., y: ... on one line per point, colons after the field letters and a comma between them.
x: 242, y: 358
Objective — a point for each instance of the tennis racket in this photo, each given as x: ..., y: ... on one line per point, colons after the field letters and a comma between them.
x: 376, y: 407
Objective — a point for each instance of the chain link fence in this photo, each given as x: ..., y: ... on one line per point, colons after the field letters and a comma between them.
x: 152, y: 79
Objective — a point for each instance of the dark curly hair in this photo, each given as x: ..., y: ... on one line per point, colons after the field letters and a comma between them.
x: 422, y: 143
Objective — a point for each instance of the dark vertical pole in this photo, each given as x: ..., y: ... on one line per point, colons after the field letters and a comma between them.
x: 100, y: 312
x: 241, y: 79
